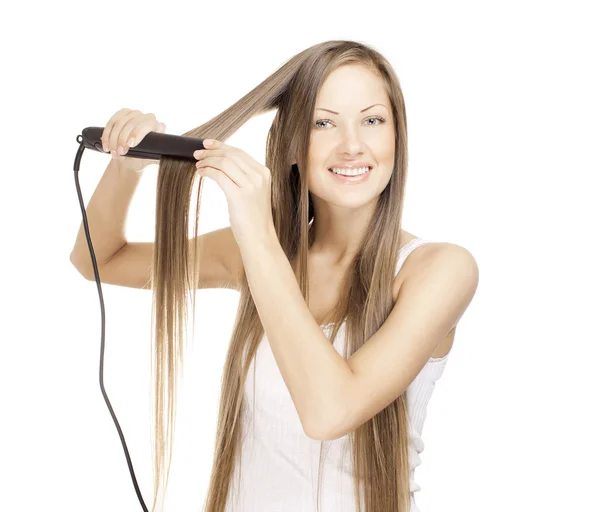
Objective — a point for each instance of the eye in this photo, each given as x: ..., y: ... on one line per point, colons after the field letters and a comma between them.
x: 322, y: 121
x: 377, y: 118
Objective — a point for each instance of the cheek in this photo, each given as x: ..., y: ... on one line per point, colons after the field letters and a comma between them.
x: 318, y: 181
x: 315, y: 172
x: 314, y: 178
x: 387, y: 146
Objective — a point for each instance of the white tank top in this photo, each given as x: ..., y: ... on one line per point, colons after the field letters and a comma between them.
x: 279, y: 462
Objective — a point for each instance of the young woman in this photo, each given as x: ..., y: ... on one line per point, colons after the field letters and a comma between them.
x: 345, y: 320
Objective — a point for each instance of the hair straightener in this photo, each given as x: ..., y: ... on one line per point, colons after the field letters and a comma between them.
x: 153, y: 146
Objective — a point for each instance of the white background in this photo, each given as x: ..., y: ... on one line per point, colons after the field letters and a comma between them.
x: 503, y: 109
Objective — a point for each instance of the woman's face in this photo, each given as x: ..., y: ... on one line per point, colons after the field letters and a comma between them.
x: 342, y: 135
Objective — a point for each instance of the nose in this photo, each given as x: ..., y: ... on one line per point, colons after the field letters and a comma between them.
x: 351, y: 142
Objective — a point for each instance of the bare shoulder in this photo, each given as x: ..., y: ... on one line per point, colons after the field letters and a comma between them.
x: 425, y: 255
x: 423, y: 258
x: 423, y: 252
x: 444, y: 253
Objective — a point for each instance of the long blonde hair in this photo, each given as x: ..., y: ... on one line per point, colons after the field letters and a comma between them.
x: 380, y: 445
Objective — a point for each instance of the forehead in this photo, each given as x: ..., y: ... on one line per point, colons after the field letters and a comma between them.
x: 351, y: 88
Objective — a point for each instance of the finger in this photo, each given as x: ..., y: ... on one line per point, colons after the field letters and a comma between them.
x: 105, y: 137
x: 250, y: 166
x: 225, y: 167
x: 135, y: 130
x: 244, y: 162
x: 229, y: 187
x: 118, y: 125
x: 217, y: 144
x: 202, y: 153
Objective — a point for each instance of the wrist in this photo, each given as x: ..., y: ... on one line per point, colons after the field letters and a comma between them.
x: 130, y: 164
x: 265, y: 241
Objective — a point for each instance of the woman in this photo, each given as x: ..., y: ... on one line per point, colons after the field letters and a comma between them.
x: 350, y: 365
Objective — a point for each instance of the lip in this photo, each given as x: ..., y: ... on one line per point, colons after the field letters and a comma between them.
x: 350, y: 165
x: 352, y: 179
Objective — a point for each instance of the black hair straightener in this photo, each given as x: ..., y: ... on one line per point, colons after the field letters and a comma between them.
x: 153, y: 146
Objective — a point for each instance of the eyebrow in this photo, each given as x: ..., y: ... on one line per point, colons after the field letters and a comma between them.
x: 364, y: 109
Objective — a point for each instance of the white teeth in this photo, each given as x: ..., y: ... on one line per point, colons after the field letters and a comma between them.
x: 350, y: 172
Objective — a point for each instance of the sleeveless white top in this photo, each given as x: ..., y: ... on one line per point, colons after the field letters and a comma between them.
x: 279, y: 462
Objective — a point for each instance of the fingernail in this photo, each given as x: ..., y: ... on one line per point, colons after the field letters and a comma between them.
x: 130, y: 142
x: 121, y: 152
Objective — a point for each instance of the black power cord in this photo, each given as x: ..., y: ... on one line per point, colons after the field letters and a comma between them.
x: 97, y: 276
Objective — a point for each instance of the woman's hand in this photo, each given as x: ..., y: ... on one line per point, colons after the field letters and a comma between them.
x: 247, y: 186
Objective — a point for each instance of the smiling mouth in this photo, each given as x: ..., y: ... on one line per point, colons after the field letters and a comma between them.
x: 330, y: 169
